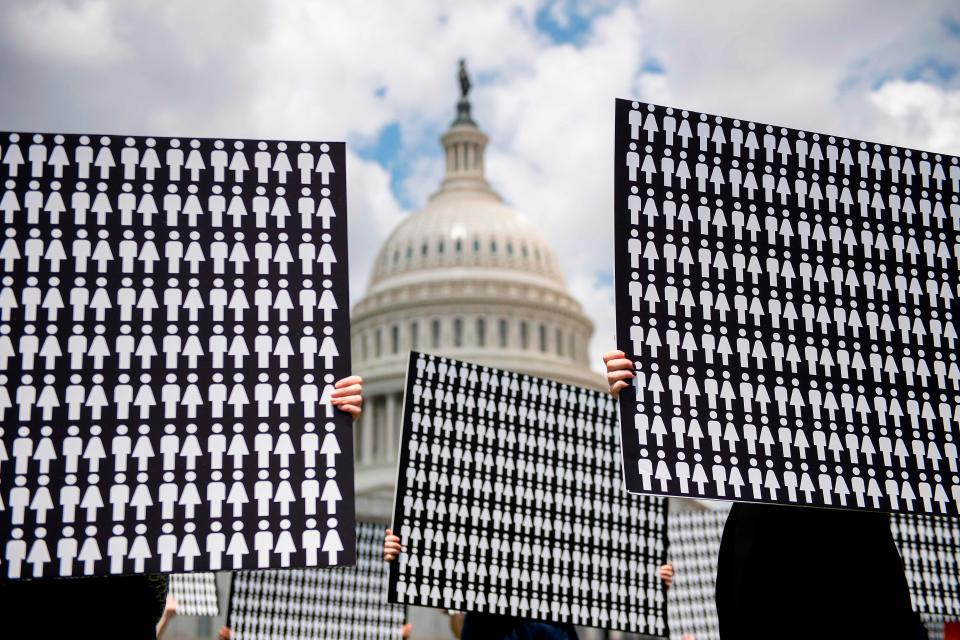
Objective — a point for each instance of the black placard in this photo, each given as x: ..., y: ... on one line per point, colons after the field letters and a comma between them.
x: 195, y: 593
x: 173, y: 314
x: 790, y: 301
x: 694, y: 550
x: 930, y: 548
x: 510, y: 501
x: 318, y: 604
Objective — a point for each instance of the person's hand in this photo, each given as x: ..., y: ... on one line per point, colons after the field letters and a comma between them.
x: 224, y: 633
x: 170, y: 607
x: 619, y: 370
x: 169, y: 611
x: 405, y: 630
x: 348, y: 395
x: 666, y: 574
x: 391, y: 546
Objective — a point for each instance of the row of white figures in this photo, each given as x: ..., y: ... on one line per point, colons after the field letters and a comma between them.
x: 86, y: 353
x: 131, y: 551
x: 131, y: 255
x: 54, y: 203
x: 807, y: 147
x: 140, y: 159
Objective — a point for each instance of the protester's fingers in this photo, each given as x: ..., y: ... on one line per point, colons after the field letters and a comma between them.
x: 341, y: 402
x: 352, y: 390
x: 619, y: 364
x: 617, y: 387
x: 615, y: 376
x: 343, y: 382
x: 351, y: 409
x: 613, y: 355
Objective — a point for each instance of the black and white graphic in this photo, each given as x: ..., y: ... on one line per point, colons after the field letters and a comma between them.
x: 789, y: 299
x: 694, y: 548
x: 196, y: 593
x: 347, y: 604
x: 509, y: 501
x: 930, y: 548
x: 173, y: 316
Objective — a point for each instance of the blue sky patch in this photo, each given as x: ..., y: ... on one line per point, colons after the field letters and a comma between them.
x: 565, y: 23
x: 652, y: 65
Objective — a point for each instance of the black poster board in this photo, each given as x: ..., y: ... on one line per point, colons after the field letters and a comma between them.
x: 790, y: 301
x: 930, y: 548
x: 510, y: 501
x: 694, y: 549
x: 195, y: 593
x: 173, y: 314
x: 318, y: 604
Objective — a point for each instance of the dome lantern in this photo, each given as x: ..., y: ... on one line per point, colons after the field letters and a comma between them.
x: 463, y: 146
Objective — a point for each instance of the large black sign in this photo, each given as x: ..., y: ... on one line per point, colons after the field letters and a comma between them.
x: 510, y: 501
x: 790, y: 301
x: 173, y: 315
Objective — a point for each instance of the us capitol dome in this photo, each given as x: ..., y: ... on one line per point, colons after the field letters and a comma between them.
x: 467, y: 277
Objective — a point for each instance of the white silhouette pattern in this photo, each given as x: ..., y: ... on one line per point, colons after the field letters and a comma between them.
x: 930, y: 548
x: 315, y: 604
x: 196, y: 593
x: 694, y: 548
x: 171, y: 325
x: 790, y: 301
x: 509, y: 501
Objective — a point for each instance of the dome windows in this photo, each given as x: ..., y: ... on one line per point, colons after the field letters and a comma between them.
x: 414, y: 335
x: 458, y: 332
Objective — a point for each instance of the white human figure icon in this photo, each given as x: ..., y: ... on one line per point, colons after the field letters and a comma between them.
x: 194, y: 163
x: 331, y: 492
x: 12, y: 156
x: 192, y: 208
x: 262, y: 162
x: 15, y: 553
x: 104, y: 160
x: 324, y: 166
x: 237, y: 210
x: 332, y: 544
x: 281, y: 163
x: 37, y: 156
x: 238, y: 162
x: 54, y: 205
x: 9, y: 203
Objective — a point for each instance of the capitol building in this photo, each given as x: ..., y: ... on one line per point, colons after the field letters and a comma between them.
x: 467, y: 277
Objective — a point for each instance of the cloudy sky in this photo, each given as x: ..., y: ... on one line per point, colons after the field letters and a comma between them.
x: 381, y: 75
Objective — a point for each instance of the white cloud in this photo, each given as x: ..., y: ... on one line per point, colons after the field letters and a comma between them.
x: 373, y: 213
x: 919, y: 114
x: 64, y: 33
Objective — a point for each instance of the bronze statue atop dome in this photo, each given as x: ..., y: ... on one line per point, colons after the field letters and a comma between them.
x: 464, y: 79
x: 463, y: 105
